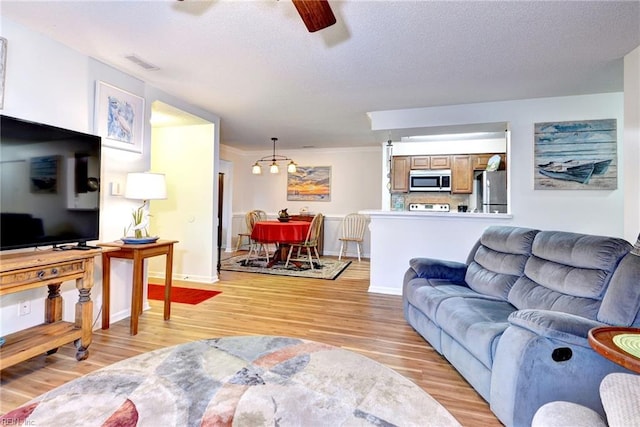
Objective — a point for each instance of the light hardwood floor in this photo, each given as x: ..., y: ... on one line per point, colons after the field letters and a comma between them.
x: 339, y: 312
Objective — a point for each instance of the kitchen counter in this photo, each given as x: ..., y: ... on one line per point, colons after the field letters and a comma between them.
x: 423, y: 214
x: 398, y: 236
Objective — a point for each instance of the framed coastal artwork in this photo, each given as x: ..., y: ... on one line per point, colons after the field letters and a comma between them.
x: 119, y: 118
x: 309, y: 183
x: 576, y: 155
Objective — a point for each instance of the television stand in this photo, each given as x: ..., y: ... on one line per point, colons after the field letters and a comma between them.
x: 30, y: 270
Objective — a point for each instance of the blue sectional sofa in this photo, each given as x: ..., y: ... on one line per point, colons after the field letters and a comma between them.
x: 513, y: 319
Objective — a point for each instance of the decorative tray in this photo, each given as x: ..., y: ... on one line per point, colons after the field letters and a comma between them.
x: 138, y: 240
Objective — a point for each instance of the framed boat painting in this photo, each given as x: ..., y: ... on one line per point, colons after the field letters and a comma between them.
x: 576, y: 155
x: 119, y: 118
x: 309, y: 183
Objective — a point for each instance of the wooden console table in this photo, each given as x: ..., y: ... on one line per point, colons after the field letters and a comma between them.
x: 137, y: 253
x: 29, y: 270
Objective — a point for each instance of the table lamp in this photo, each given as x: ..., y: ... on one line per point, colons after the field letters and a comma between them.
x: 143, y: 186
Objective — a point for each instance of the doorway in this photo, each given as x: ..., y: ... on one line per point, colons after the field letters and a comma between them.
x: 183, y: 148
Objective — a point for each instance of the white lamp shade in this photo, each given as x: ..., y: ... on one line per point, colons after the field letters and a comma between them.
x: 145, y: 186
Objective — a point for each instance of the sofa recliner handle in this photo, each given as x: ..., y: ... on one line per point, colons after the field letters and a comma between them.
x: 561, y: 354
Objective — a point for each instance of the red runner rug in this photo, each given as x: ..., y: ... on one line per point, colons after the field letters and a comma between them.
x: 181, y: 295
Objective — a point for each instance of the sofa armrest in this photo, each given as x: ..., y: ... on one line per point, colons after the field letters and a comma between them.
x: 429, y: 268
x: 555, y: 325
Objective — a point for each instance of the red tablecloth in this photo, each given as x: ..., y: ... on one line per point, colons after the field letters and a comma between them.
x: 280, y: 232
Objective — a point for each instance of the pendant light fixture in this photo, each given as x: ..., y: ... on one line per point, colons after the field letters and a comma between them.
x: 274, y: 159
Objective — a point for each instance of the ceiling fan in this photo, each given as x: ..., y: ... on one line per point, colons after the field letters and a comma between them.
x: 316, y: 14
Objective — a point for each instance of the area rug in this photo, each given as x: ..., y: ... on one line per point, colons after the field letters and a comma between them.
x: 326, y: 269
x: 180, y: 295
x: 239, y: 381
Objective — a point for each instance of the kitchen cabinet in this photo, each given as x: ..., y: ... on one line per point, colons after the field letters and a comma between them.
x: 430, y: 162
x: 440, y: 162
x: 461, y: 174
x: 480, y: 161
x: 400, y: 166
x: 420, y: 162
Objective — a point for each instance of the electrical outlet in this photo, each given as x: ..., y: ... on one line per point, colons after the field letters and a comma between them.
x: 25, y: 307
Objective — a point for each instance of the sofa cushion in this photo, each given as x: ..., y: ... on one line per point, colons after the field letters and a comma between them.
x: 580, y: 250
x: 568, y: 272
x: 527, y: 294
x: 427, y: 295
x: 499, y: 260
x: 475, y: 323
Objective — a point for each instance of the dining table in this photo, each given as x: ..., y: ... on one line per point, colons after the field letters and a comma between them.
x: 280, y: 233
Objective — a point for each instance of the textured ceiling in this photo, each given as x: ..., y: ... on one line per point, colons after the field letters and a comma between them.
x: 254, y: 64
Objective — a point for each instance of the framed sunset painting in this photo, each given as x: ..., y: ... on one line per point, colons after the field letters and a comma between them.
x: 309, y: 183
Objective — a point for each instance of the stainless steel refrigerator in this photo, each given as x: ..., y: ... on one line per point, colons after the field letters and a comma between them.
x: 491, y: 191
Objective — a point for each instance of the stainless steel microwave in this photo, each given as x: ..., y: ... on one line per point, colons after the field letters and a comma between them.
x: 430, y: 180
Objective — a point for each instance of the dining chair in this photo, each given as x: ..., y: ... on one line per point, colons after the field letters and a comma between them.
x: 310, y: 243
x: 354, y: 225
x: 256, y: 248
x: 262, y: 215
x: 247, y: 233
x: 249, y: 219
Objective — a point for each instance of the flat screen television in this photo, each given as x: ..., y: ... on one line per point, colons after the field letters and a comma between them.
x: 49, y: 186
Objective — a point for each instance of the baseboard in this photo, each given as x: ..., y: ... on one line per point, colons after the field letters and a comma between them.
x: 385, y: 290
x: 182, y: 278
x: 121, y: 315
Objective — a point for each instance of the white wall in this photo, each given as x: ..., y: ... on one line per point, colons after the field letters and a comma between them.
x: 398, y: 237
x: 48, y: 82
x: 355, y: 185
x: 631, y: 150
x: 185, y: 155
x: 588, y: 211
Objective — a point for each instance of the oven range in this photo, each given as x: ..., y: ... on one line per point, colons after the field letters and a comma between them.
x: 429, y: 207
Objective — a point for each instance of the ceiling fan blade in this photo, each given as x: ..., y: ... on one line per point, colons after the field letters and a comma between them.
x: 316, y: 14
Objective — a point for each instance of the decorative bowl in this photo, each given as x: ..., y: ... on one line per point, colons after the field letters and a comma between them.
x: 284, y: 219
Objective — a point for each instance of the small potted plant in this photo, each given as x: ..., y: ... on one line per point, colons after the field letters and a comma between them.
x: 139, y: 224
